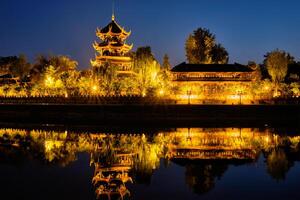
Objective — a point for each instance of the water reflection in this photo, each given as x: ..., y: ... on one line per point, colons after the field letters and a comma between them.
x: 122, y: 159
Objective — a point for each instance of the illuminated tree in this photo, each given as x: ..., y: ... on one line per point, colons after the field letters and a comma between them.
x: 276, y: 63
x: 57, y: 75
x: 295, y: 88
x: 38, y: 69
x: 201, y: 48
x: 52, y: 83
x: 63, y: 63
x: 190, y: 48
x: 20, y: 67
x: 17, y: 66
x: 70, y: 81
x: 147, y: 69
x: 166, y: 62
x: 262, y: 89
x: 108, y: 78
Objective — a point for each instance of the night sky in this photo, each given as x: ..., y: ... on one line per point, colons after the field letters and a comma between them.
x: 246, y: 28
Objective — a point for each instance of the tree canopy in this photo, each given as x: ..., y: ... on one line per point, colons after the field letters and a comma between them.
x: 146, y: 68
x: 201, y: 48
x: 18, y: 66
x: 166, y: 62
x: 277, y: 62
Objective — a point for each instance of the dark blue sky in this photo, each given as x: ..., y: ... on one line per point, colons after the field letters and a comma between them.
x: 247, y: 28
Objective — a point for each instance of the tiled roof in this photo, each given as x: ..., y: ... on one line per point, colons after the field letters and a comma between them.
x: 184, y: 67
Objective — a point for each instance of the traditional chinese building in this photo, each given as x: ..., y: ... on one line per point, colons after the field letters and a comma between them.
x: 209, y: 83
x: 113, y: 50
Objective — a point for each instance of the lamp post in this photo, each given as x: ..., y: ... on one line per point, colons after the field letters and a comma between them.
x: 189, y: 93
x: 240, y: 95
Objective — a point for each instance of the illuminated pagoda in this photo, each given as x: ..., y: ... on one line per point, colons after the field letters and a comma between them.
x: 113, y: 50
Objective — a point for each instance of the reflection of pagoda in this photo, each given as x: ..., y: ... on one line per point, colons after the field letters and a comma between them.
x: 110, y: 178
x: 113, y: 50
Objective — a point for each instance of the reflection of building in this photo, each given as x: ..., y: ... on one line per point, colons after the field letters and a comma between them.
x: 212, y: 153
x: 216, y: 144
x: 113, y: 50
x: 223, y: 82
x: 110, y: 178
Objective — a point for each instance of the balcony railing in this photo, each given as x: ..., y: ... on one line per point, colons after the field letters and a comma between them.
x: 182, y: 78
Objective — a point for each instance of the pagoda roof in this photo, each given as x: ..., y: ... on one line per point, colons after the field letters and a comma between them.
x: 184, y: 67
x: 110, y: 45
x: 117, y: 44
x: 113, y: 27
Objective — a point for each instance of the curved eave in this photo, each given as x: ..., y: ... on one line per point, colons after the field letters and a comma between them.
x: 103, y: 36
x: 100, y: 33
x: 124, y: 47
x: 116, y: 58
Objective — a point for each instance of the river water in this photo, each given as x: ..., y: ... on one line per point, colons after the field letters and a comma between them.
x: 175, y: 163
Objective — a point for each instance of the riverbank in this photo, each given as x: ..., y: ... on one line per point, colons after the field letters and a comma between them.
x: 153, y: 115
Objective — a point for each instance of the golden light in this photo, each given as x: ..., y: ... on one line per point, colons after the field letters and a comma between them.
x: 235, y: 97
x: 161, y: 92
x: 186, y: 97
x: 153, y: 75
x: 95, y: 88
x: 66, y: 95
x: 49, y: 82
x: 267, y: 139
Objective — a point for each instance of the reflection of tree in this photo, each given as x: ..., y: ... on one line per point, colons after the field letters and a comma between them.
x: 147, y: 159
x: 201, y: 177
x: 278, y: 164
x: 106, y: 153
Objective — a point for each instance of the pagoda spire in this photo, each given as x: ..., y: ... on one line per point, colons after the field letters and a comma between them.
x: 113, y: 11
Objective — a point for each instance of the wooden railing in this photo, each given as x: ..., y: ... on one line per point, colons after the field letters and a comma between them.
x: 85, y: 100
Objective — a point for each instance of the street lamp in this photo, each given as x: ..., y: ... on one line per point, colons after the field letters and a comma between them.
x: 240, y: 95
x: 189, y: 93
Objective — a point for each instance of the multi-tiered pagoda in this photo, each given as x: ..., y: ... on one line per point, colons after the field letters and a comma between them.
x: 113, y: 50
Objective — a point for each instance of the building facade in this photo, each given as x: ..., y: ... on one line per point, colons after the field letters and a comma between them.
x: 214, y: 83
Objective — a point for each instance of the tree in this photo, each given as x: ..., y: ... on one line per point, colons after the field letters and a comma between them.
x: 63, y: 68
x: 52, y: 82
x: 62, y: 64
x: 295, y: 89
x: 109, y: 79
x: 17, y: 66
x: 278, y: 164
x: 38, y: 68
x: 20, y: 67
x: 166, y: 62
x: 219, y: 54
x: 201, y: 48
x: 277, y: 63
x: 147, y: 69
